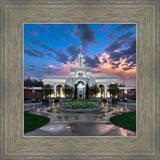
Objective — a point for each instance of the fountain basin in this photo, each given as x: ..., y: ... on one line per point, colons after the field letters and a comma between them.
x: 81, y: 110
x: 69, y: 101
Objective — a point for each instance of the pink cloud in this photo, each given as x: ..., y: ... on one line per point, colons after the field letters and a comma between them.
x: 62, y: 70
x: 103, y: 69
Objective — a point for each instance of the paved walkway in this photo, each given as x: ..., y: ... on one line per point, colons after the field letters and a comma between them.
x: 80, y: 124
x: 80, y: 129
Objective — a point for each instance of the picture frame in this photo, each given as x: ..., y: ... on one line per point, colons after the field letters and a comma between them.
x: 15, y: 144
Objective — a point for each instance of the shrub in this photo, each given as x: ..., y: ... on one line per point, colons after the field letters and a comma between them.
x: 132, y: 95
x: 80, y: 105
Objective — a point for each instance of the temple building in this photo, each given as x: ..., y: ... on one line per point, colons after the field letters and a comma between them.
x: 80, y: 75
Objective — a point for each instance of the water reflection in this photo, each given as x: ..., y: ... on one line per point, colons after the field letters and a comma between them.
x: 38, y: 110
x: 51, y: 110
x: 81, y: 124
x: 51, y: 128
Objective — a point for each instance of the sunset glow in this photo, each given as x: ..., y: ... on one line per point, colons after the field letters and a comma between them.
x: 110, y: 50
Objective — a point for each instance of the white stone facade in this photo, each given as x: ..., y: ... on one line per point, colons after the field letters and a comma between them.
x: 80, y: 75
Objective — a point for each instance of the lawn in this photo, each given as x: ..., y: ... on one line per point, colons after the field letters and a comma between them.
x: 126, y: 120
x: 32, y: 122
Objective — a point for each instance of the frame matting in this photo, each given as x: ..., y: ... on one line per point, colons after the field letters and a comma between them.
x: 15, y: 15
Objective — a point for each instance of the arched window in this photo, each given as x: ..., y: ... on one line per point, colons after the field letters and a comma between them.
x: 80, y: 74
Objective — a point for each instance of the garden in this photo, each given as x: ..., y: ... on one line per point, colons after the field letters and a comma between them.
x: 80, y: 100
x: 80, y: 106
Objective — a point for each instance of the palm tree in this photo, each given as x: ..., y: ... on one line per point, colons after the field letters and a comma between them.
x: 67, y: 89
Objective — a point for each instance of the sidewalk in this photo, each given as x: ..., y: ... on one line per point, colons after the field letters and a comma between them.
x: 80, y: 129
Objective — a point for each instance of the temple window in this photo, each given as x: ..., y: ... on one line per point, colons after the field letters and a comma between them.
x: 80, y: 74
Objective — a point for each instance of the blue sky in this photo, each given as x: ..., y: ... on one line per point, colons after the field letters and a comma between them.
x: 109, y: 49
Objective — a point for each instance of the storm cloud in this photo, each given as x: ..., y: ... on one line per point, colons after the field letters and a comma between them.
x: 58, y: 55
x: 34, y: 52
x: 124, y: 27
x: 34, y: 33
x: 36, y: 42
x: 109, y: 49
x: 73, y: 51
x: 92, y: 61
x: 124, y: 46
x: 105, y: 27
x: 85, y: 34
x: 115, y: 65
x: 113, y: 46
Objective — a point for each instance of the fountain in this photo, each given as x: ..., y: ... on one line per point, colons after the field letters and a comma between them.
x: 80, y: 107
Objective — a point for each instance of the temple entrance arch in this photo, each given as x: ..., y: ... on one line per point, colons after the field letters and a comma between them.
x: 102, y: 93
x: 80, y: 89
x: 59, y: 91
x: 101, y: 90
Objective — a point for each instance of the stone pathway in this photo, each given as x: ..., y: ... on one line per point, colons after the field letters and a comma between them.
x: 80, y: 129
x: 80, y: 124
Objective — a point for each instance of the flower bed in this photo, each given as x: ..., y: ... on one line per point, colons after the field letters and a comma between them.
x: 73, y: 101
x: 80, y: 107
x: 80, y: 100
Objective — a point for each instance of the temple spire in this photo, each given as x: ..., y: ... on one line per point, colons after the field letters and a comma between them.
x: 80, y: 58
x: 80, y: 47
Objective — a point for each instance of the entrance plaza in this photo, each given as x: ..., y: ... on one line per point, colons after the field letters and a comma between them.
x: 80, y: 124
x: 94, y: 122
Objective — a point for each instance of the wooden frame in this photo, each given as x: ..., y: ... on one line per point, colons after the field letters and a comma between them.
x: 15, y: 145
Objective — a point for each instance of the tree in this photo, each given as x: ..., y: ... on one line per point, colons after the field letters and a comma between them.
x: 94, y: 89
x: 47, y: 90
x: 75, y: 91
x: 67, y: 89
x: 87, y: 91
x: 113, y: 89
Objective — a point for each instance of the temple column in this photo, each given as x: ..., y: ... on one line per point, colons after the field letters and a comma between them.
x: 64, y: 96
x: 105, y: 92
x: 55, y: 91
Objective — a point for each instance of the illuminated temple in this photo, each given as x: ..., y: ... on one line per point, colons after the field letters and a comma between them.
x: 80, y: 75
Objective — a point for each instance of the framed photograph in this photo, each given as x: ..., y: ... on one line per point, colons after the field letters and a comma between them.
x: 79, y: 76
x: 80, y: 79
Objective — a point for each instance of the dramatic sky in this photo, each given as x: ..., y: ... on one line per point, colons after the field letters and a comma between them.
x: 109, y: 49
